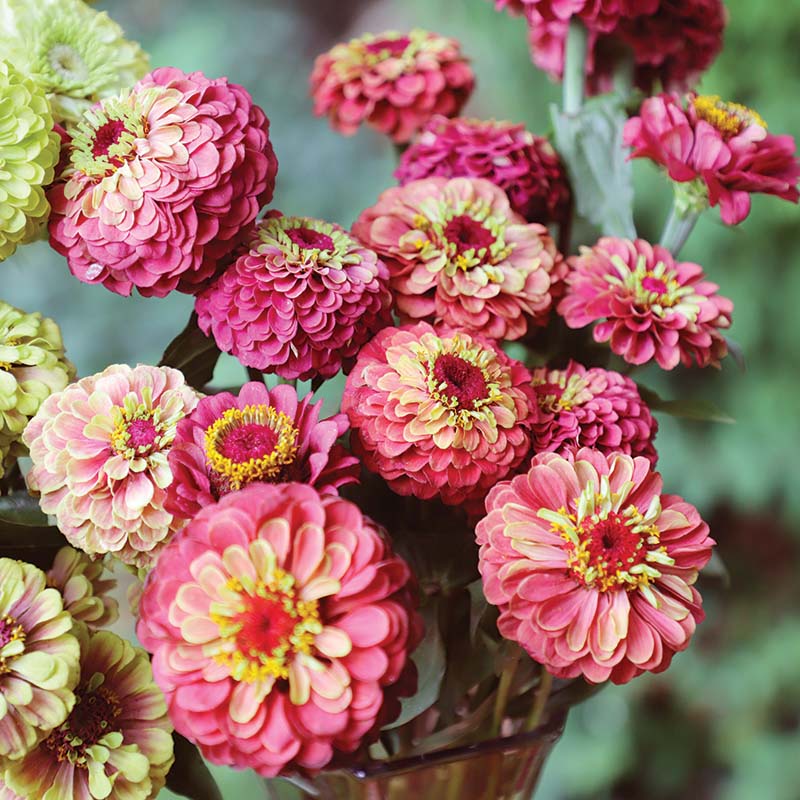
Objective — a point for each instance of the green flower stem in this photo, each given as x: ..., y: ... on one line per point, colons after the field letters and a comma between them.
x: 540, y: 699
x: 678, y: 228
x: 503, y: 691
x: 255, y: 375
x: 574, y: 66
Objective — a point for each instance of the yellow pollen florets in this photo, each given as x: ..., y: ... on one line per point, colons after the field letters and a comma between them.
x: 728, y: 118
x: 12, y: 632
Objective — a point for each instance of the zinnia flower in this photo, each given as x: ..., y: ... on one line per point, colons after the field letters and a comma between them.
x: 649, y: 306
x: 99, y: 451
x: 592, y: 568
x: 38, y: 659
x: 7, y: 794
x: 163, y: 182
x: 439, y: 413
x: 280, y: 624
x: 301, y: 302
x: 29, y: 150
x: 458, y: 254
x: 78, y: 56
x: 117, y: 742
x: 524, y: 166
x: 32, y: 366
x: 262, y: 435
x: 580, y: 407
x: 716, y: 152
x: 394, y: 82
x: 601, y: 15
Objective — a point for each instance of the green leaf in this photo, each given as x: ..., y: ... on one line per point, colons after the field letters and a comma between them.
x: 25, y: 533
x: 193, y: 353
x: 20, y: 509
x: 697, y: 410
x: 189, y: 775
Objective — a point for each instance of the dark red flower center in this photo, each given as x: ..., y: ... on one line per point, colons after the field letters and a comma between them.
x: 141, y: 433
x: 654, y: 284
x: 612, y: 545
x: 246, y: 442
x: 467, y: 233
x: 393, y: 47
x: 308, y: 239
x: 105, y: 137
x: 463, y: 381
x: 9, y: 630
x: 267, y: 623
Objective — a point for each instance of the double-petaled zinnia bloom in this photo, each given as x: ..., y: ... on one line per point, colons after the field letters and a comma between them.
x: 38, y: 659
x: 459, y: 255
x: 99, y: 451
x: 32, y: 367
x: 162, y: 183
x: 592, y: 568
x: 647, y: 305
x: 301, y: 302
x: 439, y: 413
x: 29, y: 150
x: 258, y: 436
x: 395, y: 82
x: 116, y: 743
x: 717, y: 153
x: 280, y: 624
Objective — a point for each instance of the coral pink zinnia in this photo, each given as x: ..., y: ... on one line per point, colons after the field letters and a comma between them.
x: 592, y: 568
x: 261, y: 435
x: 648, y: 305
x: 395, y: 82
x: 99, y: 451
x: 163, y: 180
x: 459, y: 255
x: 301, y: 302
x: 439, y: 413
x: 280, y: 624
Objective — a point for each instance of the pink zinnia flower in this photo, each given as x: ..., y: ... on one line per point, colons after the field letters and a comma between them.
x: 280, y: 624
x: 99, y: 451
x: 524, y: 166
x: 649, y: 306
x: 458, y: 254
x: 262, y: 435
x: 439, y: 413
x: 717, y: 152
x: 394, y: 82
x: 163, y: 181
x: 301, y: 302
x: 595, y: 14
x: 592, y: 568
x: 580, y: 407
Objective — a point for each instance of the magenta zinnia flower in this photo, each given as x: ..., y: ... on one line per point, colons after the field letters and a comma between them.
x: 648, y: 305
x: 394, y: 82
x: 280, y: 624
x: 524, y: 166
x: 301, y: 302
x: 439, y: 413
x: 162, y: 183
x: 716, y: 152
x: 99, y: 451
x: 263, y: 436
x: 458, y: 254
x: 592, y: 568
x: 580, y: 407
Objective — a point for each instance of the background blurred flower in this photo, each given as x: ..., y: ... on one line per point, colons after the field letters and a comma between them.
x: 392, y: 81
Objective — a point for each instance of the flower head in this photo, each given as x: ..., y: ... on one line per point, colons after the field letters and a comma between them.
x: 439, y: 413
x: 649, y: 306
x: 260, y: 436
x: 29, y: 150
x: 592, y: 568
x: 459, y: 255
x: 117, y: 742
x: 32, y: 366
x: 301, y: 302
x: 580, y: 407
x: 716, y: 152
x: 163, y: 182
x: 395, y: 82
x: 99, y: 451
x: 280, y: 624
x: 38, y: 659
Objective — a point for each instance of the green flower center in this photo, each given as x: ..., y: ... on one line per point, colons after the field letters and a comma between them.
x: 66, y: 62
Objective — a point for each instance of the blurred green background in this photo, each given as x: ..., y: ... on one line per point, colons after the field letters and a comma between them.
x: 724, y: 722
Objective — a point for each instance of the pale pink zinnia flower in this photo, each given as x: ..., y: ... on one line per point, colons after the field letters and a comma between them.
x: 395, y: 82
x: 592, y: 568
x: 647, y: 305
x: 300, y: 302
x: 260, y: 436
x: 163, y: 180
x: 439, y: 413
x: 280, y: 624
x: 459, y: 255
x: 99, y: 451
x: 580, y: 407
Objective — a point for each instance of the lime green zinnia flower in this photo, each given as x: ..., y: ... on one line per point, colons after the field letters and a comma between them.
x: 28, y: 153
x: 76, y: 54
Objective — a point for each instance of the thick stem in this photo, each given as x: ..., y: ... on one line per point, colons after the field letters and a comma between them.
x: 575, y: 66
x: 503, y: 691
x: 678, y: 229
x: 255, y: 374
x: 540, y: 699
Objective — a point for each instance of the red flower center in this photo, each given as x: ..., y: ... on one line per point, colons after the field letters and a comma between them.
x: 654, y: 284
x: 392, y: 47
x: 9, y: 629
x: 251, y: 440
x: 105, y: 137
x: 141, y: 433
x: 308, y: 239
x: 467, y: 233
x: 611, y: 545
x: 268, y: 623
x: 463, y: 381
